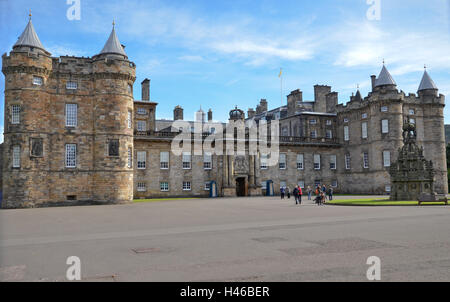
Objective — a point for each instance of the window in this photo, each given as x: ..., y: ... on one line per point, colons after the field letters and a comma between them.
x: 141, y: 159
x: 142, y: 111
x: 364, y: 130
x: 212, y: 130
x: 207, y: 186
x: 72, y: 85
x: 387, y: 158
x: 412, y: 112
x: 129, y: 120
x: 313, y: 121
x: 130, y: 158
x: 263, y: 161
x: 346, y: 134
x: 301, y: 184
x: 317, y: 183
x: 207, y: 161
x: 130, y: 89
x: 282, y: 184
x: 71, y: 115
x: 282, y: 163
x: 314, y: 134
x: 113, y: 147
x: 164, y: 160
x: 333, y: 162
x: 364, y: 116
x: 300, y: 162
x: 329, y: 134
x: 264, y: 185
x: 186, y: 185
x: 329, y: 123
x: 316, y: 161
x: 141, y: 126
x: 15, y: 114
x: 412, y: 121
x: 284, y: 131
x: 37, y: 147
x: 334, y: 183
x: 16, y: 157
x: 164, y: 186
x: 346, y: 120
x: 186, y: 160
x: 347, y: 161
x: 37, y: 81
x: 141, y: 186
x: 384, y: 109
x: 366, y: 160
x: 71, y: 156
x: 385, y: 126
x: 387, y: 188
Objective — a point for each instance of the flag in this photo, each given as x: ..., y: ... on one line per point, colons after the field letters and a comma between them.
x: 281, y: 72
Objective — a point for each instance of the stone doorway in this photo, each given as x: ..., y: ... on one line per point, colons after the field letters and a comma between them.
x: 241, y: 187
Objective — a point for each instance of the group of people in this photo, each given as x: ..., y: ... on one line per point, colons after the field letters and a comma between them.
x: 321, y: 193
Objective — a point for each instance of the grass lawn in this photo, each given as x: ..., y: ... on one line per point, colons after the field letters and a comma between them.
x: 161, y: 199
x: 379, y: 202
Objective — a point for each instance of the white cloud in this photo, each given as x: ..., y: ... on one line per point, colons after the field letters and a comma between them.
x: 190, y: 58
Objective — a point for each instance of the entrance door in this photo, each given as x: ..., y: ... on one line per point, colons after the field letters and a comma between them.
x: 240, y: 187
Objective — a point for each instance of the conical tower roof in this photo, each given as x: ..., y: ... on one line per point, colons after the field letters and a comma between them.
x: 384, y: 78
x: 113, y: 45
x: 358, y: 96
x: 29, y: 38
x: 427, y: 82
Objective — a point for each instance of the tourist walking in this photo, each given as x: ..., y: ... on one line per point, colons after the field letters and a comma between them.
x: 288, y: 193
x: 282, y: 190
x: 295, y: 192
x: 300, y: 193
x: 309, y: 191
x: 324, y: 190
x: 330, y: 193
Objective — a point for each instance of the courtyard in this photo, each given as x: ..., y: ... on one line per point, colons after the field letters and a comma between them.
x: 226, y: 239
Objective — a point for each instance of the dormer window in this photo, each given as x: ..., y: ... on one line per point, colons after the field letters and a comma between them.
x: 384, y: 109
x: 72, y: 85
x: 313, y: 121
x: 37, y: 81
x: 346, y: 120
x: 364, y: 116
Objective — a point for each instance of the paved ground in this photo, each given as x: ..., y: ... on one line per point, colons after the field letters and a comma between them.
x: 242, y: 239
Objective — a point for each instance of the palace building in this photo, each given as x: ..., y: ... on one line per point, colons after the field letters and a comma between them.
x: 74, y: 134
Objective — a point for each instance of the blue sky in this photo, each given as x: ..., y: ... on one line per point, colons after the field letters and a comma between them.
x: 217, y: 54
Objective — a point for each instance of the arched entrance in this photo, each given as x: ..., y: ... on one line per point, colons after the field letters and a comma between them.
x: 241, y: 186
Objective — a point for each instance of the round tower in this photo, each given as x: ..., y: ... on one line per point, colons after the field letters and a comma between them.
x: 433, y: 121
x: 114, y: 76
x: 26, y: 121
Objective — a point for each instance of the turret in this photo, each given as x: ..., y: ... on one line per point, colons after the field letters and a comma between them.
x: 178, y: 113
x: 27, y: 116
x: 114, y: 76
x: 385, y: 80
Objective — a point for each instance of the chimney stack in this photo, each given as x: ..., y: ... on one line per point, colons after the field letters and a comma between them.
x: 374, y: 79
x: 210, y: 115
x: 178, y: 113
x: 250, y: 113
x: 146, y: 90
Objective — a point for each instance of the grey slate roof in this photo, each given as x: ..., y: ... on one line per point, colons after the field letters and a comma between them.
x: 384, y: 78
x: 427, y: 82
x: 113, y: 45
x: 29, y: 38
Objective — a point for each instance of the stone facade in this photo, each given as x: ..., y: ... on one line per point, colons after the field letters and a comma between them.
x: 119, y: 142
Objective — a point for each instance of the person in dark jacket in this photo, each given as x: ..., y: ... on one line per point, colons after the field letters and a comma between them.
x: 282, y: 191
x: 330, y: 193
x: 295, y: 192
